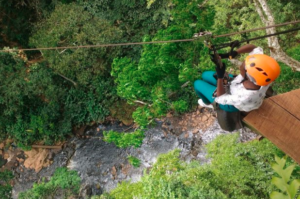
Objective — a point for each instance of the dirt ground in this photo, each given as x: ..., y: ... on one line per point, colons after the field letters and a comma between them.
x: 201, y: 119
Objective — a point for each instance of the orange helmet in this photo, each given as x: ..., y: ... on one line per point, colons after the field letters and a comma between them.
x: 261, y: 69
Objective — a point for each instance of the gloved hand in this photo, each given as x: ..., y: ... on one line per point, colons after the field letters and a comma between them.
x: 220, y: 67
x: 221, y: 71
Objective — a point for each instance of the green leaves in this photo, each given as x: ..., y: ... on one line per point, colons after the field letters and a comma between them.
x: 180, y: 106
x: 287, y: 187
x: 236, y: 170
x: 124, y: 140
x: 63, y: 183
x: 70, y: 29
x: 155, y: 80
x: 5, y: 187
x: 134, y: 161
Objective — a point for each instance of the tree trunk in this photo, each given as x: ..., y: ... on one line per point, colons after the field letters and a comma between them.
x: 275, y: 50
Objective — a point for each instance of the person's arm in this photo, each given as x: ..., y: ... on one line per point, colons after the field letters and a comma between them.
x: 232, y: 54
x: 246, y: 48
x: 220, y: 87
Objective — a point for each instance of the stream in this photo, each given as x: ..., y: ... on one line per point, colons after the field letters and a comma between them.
x: 101, y: 166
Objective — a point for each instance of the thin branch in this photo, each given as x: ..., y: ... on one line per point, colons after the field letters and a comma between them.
x: 62, y: 51
x: 141, y: 102
x: 75, y: 84
x: 202, y: 4
x: 185, y: 84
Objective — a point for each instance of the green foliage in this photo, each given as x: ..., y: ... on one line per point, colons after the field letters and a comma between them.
x: 18, y: 18
x: 243, y: 168
x: 124, y: 140
x: 234, y: 16
x: 288, y: 188
x: 87, y: 68
x: 132, y: 17
x: 143, y: 116
x: 63, y: 183
x: 65, y: 27
x: 134, y: 161
x: 180, y: 106
x: 5, y: 187
x: 288, y: 80
x: 29, y: 102
x: 157, y: 77
x: 39, y: 101
x: 236, y: 170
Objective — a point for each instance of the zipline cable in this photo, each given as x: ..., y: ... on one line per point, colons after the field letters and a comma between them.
x: 255, y: 29
x: 224, y: 45
x: 150, y: 42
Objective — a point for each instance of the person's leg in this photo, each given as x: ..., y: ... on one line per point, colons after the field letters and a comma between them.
x: 204, y: 90
x: 208, y: 76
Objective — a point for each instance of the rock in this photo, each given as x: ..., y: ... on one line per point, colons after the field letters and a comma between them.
x: 20, y: 160
x: 86, y: 191
x: 114, y: 172
x: 36, y: 159
x: 195, y: 131
x: 125, y: 169
x: 98, y: 186
x: 186, y: 135
x: 204, y: 118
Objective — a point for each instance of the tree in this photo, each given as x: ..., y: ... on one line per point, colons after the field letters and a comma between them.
x: 276, y: 51
x: 70, y: 29
x: 133, y: 18
x: 155, y: 80
x: 243, y: 15
x: 18, y: 18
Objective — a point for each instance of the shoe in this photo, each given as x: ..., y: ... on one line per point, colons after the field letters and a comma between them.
x: 201, y: 103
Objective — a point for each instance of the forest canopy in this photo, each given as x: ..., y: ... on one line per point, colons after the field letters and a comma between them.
x: 46, y: 94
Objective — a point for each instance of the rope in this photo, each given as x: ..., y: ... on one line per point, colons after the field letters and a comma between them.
x: 144, y: 43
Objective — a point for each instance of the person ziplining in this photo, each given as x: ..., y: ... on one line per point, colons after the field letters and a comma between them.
x: 246, y: 91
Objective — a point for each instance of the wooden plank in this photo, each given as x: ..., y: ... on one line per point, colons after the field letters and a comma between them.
x: 289, y: 101
x: 278, y: 125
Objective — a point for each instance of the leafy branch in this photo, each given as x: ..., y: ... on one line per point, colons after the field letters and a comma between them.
x: 287, y: 187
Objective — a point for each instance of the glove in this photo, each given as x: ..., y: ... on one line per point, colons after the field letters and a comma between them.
x: 220, y: 71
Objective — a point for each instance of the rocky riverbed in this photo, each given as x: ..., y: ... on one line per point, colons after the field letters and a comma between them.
x: 102, y: 166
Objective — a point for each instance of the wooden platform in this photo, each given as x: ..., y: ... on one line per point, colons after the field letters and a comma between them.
x: 278, y: 119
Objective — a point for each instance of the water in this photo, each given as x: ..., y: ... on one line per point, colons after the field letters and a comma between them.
x: 102, y: 166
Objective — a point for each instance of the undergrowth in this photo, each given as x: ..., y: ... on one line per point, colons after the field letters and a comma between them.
x: 237, y: 171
